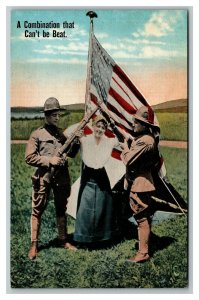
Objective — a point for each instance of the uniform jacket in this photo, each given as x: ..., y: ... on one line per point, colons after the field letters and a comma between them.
x: 41, y: 146
x: 139, y: 160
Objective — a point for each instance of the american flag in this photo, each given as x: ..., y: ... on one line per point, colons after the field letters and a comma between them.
x: 107, y: 82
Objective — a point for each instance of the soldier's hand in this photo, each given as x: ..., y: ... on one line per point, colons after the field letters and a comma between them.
x: 56, y: 161
x: 79, y: 133
x: 124, y: 145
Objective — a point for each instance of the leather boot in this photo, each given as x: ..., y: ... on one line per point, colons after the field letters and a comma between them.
x: 68, y: 246
x: 143, y: 235
x: 62, y: 234
x: 35, y: 225
x: 33, y: 250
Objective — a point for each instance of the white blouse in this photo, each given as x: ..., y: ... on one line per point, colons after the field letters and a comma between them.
x: 96, y: 155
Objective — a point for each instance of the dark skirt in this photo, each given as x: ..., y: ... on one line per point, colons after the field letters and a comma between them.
x: 94, y: 219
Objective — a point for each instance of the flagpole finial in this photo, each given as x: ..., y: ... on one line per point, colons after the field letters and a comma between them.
x: 91, y: 14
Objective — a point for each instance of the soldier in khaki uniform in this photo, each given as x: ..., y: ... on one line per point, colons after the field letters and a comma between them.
x: 41, y: 152
x: 139, y: 159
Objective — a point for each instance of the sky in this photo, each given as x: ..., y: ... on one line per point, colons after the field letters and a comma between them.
x: 149, y: 44
x: 133, y: 69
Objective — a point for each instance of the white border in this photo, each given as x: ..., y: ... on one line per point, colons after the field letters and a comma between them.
x: 4, y: 133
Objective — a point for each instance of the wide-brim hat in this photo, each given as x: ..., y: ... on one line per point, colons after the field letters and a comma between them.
x: 146, y: 115
x: 52, y: 104
x: 99, y: 118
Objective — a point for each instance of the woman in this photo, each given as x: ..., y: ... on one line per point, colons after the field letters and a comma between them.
x: 94, y: 219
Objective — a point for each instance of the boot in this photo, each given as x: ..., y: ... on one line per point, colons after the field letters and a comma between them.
x: 62, y: 234
x: 143, y: 235
x: 35, y: 225
x: 139, y: 257
x: 33, y: 250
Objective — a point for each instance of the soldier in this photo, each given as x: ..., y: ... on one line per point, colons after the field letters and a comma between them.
x: 41, y: 152
x: 140, y: 158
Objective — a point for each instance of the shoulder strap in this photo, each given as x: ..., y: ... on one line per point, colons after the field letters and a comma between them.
x: 56, y: 132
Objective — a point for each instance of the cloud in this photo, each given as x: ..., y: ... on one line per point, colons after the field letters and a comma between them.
x: 131, y: 42
x: 160, y: 24
x: 77, y: 33
x: 148, y: 42
x: 139, y: 48
x: 73, y: 61
x: 102, y: 35
x: 71, y: 48
x: 148, y: 52
x: 77, y: 46
x: 109, y: 46
x: 45, y: 51
x: 124, y: 54
x: 152, y: 52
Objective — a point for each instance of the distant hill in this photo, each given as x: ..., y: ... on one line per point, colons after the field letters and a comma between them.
x: 179, y: 105
x: 19, y: 112
x: 75, y: 107
x: 20, y: 109
x: 37, y: 109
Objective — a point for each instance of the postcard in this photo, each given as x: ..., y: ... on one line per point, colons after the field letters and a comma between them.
x: 99, y: 148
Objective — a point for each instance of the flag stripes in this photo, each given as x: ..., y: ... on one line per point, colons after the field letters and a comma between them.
x: 129, y: 84
x: 109, y: 83
x: 121, y: 120
x: 127, y: 93
x: 122, y: 116
x: 120, y: 100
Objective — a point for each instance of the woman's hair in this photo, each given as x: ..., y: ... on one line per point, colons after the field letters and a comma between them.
x: 100, y: 118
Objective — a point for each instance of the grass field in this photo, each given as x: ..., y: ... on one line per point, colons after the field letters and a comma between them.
x: 102, y: 268
x: 173, y: 125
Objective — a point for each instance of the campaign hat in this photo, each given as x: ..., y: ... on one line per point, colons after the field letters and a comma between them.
x: 52, y: 104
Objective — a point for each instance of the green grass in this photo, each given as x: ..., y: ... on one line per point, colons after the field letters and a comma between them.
x: 173, y: 125
x: 21, y: 129
x: 58, y: 268
x: 176, y: 166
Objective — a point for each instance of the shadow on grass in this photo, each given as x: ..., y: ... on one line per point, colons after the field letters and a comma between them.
x: 54, y: 243
x: 159, y: 243
x: 127, y: 231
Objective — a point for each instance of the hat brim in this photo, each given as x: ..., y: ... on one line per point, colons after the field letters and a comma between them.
x: 55, y: 109
x: 144, y: 121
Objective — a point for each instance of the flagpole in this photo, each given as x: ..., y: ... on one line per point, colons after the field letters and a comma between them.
x: 172, y: 196
x: 92, y: 15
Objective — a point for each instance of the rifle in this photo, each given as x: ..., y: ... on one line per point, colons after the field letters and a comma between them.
x: 121, y: 136
x: 66, y: 146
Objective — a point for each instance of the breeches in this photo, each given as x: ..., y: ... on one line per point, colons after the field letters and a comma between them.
x: 140, y: 204
x: 40, y: 197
